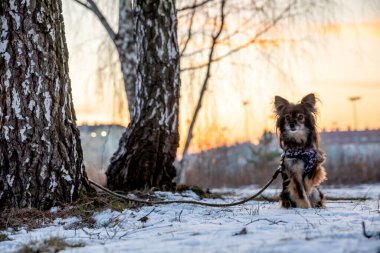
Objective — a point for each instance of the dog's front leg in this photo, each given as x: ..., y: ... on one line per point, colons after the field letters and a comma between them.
x: 296, y: 188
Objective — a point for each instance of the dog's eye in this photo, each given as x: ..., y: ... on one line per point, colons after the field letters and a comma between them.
x: 300, y: 117
x: 287, y: 117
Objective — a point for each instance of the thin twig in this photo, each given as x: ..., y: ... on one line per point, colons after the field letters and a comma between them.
x: 308, y: 222
x: 205, y: 81
x: 179, y: 216
x: 194, y: 6
x: 94, y: 8
x: 365, y: 232
x: 192, y: 202
x: 246, y: 44
x: 145, y: 217
x: 271, y: 222
x: 83, y: 4
x: 189, y: 31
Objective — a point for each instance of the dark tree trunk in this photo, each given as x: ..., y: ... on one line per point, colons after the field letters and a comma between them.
x: 126, y: 47
x: 148, y: 148
x: 41, y: 161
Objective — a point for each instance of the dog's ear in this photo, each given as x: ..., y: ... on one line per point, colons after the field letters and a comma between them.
x: 309, y: 101
x: 280, y: 104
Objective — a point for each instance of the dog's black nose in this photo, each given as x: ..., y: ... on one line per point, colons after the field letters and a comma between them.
x: 292, y: 126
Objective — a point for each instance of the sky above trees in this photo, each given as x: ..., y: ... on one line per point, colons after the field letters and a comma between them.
x: 340, y: 62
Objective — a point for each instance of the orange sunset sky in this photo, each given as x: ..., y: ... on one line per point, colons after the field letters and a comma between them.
x: 343, y: 60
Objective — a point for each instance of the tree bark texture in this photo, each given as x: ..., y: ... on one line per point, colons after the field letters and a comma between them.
x: 41, y: 161
x: 148, y: 148
x: 125, y: 42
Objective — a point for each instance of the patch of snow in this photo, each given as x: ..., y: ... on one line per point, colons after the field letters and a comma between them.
x: 103, y: 218
x: 65, y: 221
x: 356, y: 191
x: 54, y: 210
x: 188, y: 228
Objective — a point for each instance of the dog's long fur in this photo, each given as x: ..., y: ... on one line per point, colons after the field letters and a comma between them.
x: 297, y: 129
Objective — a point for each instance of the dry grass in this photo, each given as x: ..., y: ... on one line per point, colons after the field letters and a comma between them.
x: 84, y: 208
x: 53, y: 244
x: 31, y: 218
x: 199, y: 191
x: 4, y: 237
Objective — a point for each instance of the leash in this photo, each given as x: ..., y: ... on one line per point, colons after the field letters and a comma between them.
x: 192, y: 202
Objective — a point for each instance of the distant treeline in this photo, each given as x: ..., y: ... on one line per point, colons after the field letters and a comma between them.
x: 243, y: 164
x: 352, y: 158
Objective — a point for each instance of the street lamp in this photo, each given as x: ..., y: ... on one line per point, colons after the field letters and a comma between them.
x: 353, y: 100
x: 246, y: 107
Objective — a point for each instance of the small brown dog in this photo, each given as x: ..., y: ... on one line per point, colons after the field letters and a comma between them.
x: 302, y: 158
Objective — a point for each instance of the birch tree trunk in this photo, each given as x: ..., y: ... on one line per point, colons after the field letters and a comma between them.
x: 126, y: 47
x: 148, y: 148
x: 41, y: 162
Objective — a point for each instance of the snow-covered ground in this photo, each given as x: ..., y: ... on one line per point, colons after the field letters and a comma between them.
x: 253, y: 227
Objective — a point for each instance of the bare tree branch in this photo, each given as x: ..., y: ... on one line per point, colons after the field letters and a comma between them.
x: 194, y: 6
x: 94, y: 8
x: 205, y: 81
x: 248, y: 43
x: 190, y: 30
x: 83, y: 4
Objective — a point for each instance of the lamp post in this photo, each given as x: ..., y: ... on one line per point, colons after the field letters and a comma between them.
x: 353, y: 100
x: 246, y: 118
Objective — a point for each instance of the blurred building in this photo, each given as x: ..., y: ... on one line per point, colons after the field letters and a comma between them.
x: 352, y: 156
x: 348, y: 137
x: 99, y: 142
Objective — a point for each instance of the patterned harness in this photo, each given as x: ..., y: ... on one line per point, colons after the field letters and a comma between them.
x: 308, y: 156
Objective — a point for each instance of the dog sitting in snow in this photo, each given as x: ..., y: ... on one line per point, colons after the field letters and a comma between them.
x: 302, y: 170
